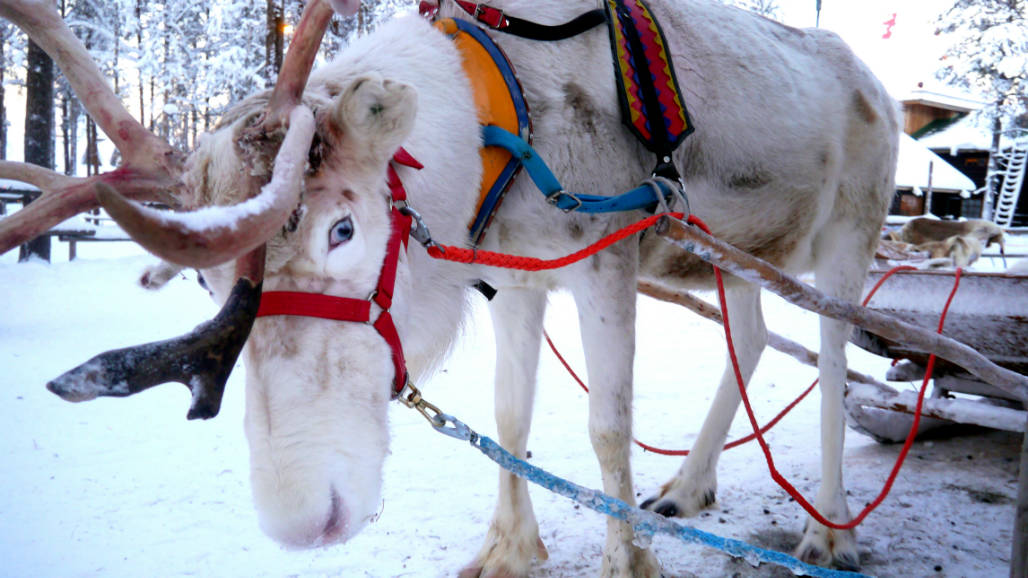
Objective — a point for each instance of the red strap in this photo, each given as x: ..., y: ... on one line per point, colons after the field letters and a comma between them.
x: 387, y: 329
x: 428, y: 9
x: 359, y: 310
x: 401, y: 225
x: 491, y: 17
x: 402, y: 157
x: 314, y: 305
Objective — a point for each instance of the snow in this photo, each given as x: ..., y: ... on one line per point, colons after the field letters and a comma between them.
x: 9, y: 185
x: 918, y: 166
x: 943, y: 97
x: 128, y: 487
x: 966, y: 135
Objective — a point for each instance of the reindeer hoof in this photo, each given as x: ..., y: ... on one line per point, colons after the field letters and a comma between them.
x: 667, y: 509
x: 671, y: 506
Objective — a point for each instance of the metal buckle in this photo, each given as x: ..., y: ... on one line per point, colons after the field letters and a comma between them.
x: 435, y: 416
x: 555, y: 198
x: 420, y: 230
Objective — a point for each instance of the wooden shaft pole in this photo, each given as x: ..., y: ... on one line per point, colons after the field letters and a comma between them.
x: 776, y: 341
x: 1019, y: 551
x: 760, y: 272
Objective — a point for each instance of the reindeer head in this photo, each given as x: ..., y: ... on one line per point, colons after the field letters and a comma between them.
x: 318, y: 389
x: 329, y: 147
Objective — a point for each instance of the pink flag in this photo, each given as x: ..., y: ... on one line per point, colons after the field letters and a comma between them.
x: 889, y: 24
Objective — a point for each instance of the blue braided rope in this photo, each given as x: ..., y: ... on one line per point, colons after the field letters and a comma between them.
x: 644, y: 523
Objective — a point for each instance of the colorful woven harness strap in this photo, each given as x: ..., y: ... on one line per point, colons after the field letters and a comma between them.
x: 652, y: 105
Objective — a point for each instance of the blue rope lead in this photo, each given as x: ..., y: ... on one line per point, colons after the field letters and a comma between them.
x: 644, y: 523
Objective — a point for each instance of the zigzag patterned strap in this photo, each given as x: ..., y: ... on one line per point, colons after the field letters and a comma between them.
x: 651, y: 102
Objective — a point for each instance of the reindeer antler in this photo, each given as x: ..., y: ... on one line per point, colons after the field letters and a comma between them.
x: 196, y: 240
x: 202, y: 360
x: 151, y: 169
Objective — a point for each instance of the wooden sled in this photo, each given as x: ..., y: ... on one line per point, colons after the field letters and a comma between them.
x: 989, y: 313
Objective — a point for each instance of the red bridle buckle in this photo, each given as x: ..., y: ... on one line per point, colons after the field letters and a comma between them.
x: 428, y: 9
x: 491, y: 17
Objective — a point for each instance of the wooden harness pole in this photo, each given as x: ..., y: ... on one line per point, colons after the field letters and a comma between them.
x: 1019, y: 552
x: 759, y: 272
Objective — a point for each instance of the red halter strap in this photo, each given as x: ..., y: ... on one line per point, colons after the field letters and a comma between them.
x: 359, y: 310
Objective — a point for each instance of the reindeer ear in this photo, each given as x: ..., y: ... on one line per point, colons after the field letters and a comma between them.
x: 374, y: 115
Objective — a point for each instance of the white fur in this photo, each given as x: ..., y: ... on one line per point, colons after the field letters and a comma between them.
x: 792, y: 160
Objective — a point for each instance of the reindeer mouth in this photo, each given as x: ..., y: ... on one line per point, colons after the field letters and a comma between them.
x: 337, y: 527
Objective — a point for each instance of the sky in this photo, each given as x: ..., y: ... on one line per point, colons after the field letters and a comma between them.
x: 911, y: 53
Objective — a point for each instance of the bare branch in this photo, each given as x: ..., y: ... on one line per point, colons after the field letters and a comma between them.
x: 776, y: 341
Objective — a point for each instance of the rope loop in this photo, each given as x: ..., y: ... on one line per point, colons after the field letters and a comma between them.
x: 493, y: 259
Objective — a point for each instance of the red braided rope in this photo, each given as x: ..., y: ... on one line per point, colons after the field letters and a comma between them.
x: 472, y: 256
x: 777, y: 476
x: 745, y: 439
x: 469, y: 256
x: 666, y: 452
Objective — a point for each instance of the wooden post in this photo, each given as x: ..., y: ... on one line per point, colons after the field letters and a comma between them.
x: 1019, y: 551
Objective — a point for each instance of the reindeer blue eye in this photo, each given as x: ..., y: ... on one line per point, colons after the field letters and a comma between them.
x: 341, y: 232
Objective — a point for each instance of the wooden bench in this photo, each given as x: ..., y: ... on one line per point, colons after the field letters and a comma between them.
x: 84, y: 229
x: 10, y: 198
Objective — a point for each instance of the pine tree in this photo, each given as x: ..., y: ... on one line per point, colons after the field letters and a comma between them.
x: 988, y: 54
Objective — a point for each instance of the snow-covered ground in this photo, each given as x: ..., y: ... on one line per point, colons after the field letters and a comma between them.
x: 128, y: 487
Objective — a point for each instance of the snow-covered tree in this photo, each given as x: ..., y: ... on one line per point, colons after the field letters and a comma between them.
x: 369, y: 16
x: 12, y: 58
x: 768, y: 8
x: 178, y: 64
x: 988, y: 54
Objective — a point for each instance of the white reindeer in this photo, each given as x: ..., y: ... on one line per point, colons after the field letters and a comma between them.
x: 792, y: 160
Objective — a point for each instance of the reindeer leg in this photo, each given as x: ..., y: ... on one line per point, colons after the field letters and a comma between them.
x: 839, y: 273
x: 694, y: 487
x: 606, y: 309
x: 513, y: 538
x: 157, y: 275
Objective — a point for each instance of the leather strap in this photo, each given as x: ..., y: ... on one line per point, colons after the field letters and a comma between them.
x: 496, y: 19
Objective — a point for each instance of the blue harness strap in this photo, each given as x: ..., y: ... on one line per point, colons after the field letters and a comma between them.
x: 641, y: 197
